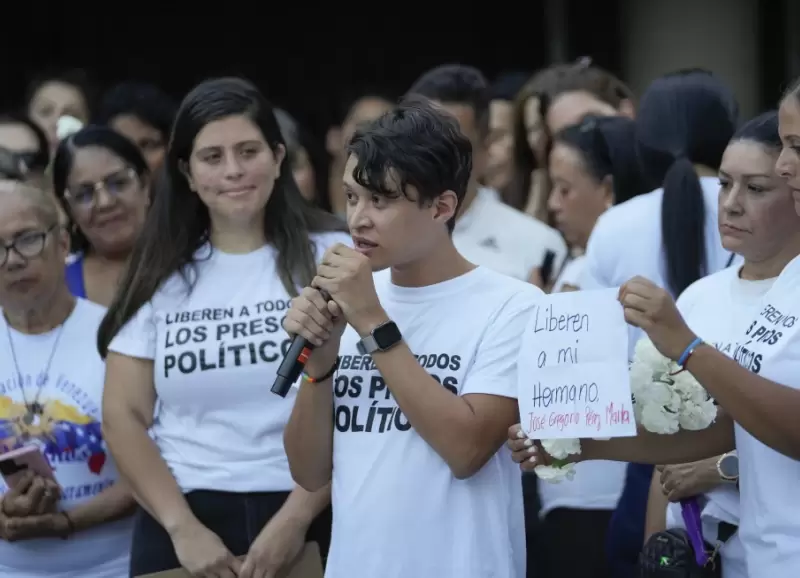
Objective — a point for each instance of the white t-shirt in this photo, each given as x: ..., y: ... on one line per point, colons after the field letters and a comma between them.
x: 398, y: 511
x: 770, y: 481
x: 69, y: 433
x: 571, y: 274
x: 216, y: 350
x: 626, y: 242
x: 714, y: 308
x: 494, y: 235
x: 597, y: 484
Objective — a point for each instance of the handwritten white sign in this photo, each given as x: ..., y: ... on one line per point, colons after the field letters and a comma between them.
x: 573, y: 368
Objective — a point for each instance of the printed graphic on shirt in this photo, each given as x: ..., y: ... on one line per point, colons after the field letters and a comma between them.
x: 364, y: 403
x: 65, y: 426
x: 211, y: 339
x: 766, y: 334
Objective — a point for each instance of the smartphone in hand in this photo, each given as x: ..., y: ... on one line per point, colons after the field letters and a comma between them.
x: 15, y: 463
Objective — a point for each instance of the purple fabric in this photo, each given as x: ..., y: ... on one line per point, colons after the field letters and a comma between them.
x: 690, y: 509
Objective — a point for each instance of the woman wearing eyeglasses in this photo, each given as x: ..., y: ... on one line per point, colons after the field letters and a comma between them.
x: 76, y: 520
x: 102, y: 182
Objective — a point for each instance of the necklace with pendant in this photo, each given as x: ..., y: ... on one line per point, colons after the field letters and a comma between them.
x: 34, y: 409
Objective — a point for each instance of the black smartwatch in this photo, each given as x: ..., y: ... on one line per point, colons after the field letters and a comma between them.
x: 382, y: 338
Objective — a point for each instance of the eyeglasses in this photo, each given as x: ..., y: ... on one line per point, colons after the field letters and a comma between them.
x: 28, y: 245
x: 84, y: 196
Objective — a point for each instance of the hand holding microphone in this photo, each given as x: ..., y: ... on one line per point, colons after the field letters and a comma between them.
x: 317, y: 324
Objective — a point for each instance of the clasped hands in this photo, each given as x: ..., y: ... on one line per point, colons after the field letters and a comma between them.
x: 28, y: 510
x: 346, y: 275
x: 646, y: 306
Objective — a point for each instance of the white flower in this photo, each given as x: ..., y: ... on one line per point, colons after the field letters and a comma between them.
x: 554, y: 474
x: 646, y: 354
x: 656, y: 419
x: 559, y: 450
x: 67, y: 125
x: 563, y: 448
x: 697, y: 416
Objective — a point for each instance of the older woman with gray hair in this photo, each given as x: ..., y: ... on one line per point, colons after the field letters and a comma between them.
x: 58, y: 480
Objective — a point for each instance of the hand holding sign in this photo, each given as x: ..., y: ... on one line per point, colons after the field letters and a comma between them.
x: 573, y: 368
x: 652, y: 309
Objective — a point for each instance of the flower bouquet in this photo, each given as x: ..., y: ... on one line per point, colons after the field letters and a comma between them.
x: 667, y: 398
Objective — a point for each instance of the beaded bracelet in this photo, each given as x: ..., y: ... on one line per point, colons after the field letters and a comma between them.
x: 325, y: 377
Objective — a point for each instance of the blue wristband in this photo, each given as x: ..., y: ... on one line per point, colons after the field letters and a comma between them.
x: 689, y: 350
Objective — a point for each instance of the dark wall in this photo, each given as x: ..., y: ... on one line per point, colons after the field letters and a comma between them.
x: 304, y: 58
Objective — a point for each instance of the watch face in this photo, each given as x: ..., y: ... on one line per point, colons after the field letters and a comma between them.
x: 386, y: 335
x: 729, y: 466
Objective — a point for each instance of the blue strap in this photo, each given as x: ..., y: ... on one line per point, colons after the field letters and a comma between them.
x: 688, y: 351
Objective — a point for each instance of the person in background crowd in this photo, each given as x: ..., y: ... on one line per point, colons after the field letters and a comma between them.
x: 500, y: 163
x: 488, y: 232
x: 758, y: 393
x: 143, y: 113
x: 367, y: 106
x: 193, y: 336
x: 308, y: 166
x: 53, y: 95
x: 77, y: 523
x: 670, y: 235
x: 593, y: 166
x: 445, y: 503
x: 27, y: 144
x: 757, y: 218
x: 102, y: 182
x: 556, y: 97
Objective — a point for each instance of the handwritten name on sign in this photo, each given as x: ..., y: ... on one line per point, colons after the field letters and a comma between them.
x: 573, y: 368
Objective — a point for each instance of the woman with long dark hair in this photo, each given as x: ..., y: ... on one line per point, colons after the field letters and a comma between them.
x: 193, y: 340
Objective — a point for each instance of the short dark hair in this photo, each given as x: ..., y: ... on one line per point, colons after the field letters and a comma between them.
x: 457, y: 84
x: 146, y: 102
x: 422, y: 144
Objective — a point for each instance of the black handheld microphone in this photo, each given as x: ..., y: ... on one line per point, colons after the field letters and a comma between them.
x: 294, y: 361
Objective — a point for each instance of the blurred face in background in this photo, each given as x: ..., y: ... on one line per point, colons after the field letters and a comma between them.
x: 107, y: 200
x: 52, y: 101
x: 500, y: 154
x: 576, y: 199
x: 149, y: 139
x: 304, y: 174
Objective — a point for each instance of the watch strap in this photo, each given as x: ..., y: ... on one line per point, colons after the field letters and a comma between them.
x: 367, y: 345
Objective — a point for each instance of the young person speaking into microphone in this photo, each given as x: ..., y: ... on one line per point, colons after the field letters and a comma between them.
x: 406, y: 399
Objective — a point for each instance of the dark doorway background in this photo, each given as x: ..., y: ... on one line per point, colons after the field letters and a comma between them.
x: 303, y: 58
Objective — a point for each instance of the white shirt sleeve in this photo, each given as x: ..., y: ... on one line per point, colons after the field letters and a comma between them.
x: 494, y: 371
x: 137, y: 338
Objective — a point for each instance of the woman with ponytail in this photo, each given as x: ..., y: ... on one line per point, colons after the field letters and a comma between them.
x: 670, y: 235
